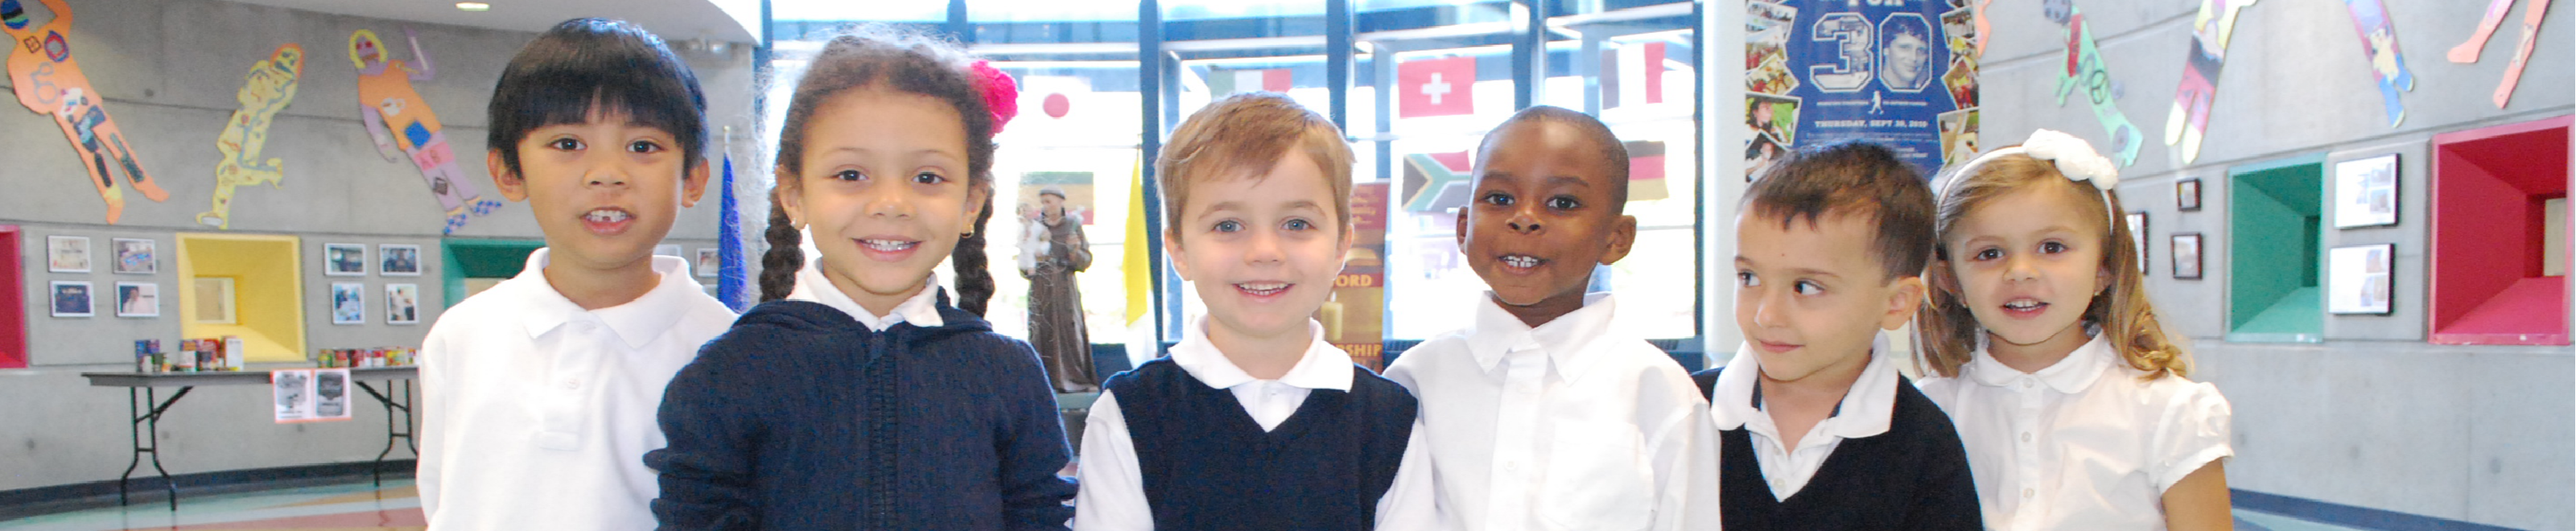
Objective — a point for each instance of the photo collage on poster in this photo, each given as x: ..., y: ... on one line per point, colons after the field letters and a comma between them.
x: 1903, y: 77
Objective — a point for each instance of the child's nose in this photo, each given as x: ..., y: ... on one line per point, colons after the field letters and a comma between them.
x: 889, y: 201
x: 1768, y: 309
x: 1263, y: 247
x: 1522, y: 222
x: 606, y: 175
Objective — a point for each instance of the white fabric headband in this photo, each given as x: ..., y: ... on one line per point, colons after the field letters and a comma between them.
x: 2073, y: 156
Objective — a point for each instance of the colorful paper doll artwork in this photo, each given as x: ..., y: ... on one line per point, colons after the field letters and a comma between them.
x: 2084, y: 69
x: 267, y: 89
x: 2467, y: 52
x: 2189, y: 121
x: 48, y: 80
x: 399, y: 120
x: 2379, y: 40
x: 2531, y: 15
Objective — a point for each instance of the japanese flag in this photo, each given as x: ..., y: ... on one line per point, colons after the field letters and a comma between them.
x: 1435, y: 87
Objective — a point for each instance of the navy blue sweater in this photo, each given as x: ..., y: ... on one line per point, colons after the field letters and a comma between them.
x: 801, y: 418
x: 1208, y: 466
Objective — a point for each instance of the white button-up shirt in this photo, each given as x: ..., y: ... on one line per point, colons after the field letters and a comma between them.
x: 536, y: 413
x: 1570, y: 425
x: 2082, y: 443
x: 1113, y: 487
x: 922, y: 309
x: 1865, y: 411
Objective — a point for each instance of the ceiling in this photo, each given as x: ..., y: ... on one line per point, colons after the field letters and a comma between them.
x: 674, y: 20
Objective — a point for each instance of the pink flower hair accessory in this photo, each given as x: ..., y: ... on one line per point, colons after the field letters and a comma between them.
x: 1001, y: 94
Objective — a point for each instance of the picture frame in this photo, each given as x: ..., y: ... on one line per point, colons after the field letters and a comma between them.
x: 398, y: 260
x: 138, y: 299
x: 348, y: 303
x: 2186, y: 256
x: 67, y: 254
x: 2366, y: 192
x: 2138, y: 238
x: 2360, y: 279
x: 344, y: 259
x: 71, y: 298
x: 402, y: 304
x: 136, y: 256
x: 2187, y: 195
x: 215, y: 303
x: 708, y: 264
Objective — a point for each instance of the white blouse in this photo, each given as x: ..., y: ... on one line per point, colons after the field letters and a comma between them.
x: 2082, y: 444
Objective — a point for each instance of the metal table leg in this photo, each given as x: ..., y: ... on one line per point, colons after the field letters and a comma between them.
x: 392, y: 432
x: 147, y: 426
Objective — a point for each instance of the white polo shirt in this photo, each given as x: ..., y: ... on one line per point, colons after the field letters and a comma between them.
x: 1865, y: 411
x: 1113, y: 485
x: 2082, y: 443
x: 536, y: 414
x: 1570, y: 425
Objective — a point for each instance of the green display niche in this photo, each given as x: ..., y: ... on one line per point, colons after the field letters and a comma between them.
x: 2275, y: 213
x: 472, y: 265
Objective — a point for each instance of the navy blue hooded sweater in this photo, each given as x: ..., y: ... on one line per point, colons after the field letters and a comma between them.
x: 802, y: 418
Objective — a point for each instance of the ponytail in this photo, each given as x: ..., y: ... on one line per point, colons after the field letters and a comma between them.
x: 974, y: 274
x: 786, y: 255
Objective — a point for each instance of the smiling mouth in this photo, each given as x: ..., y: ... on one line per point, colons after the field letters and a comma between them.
x: 2024, y: 306
x: 1522, y: 261
x: 1261, y: 289
x: 888, y: 246
x: 607, y: 221
x: 606, y: 215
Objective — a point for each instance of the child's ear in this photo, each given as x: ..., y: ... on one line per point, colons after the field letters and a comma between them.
x: 513, y: 186
x: 975, y: 205
x: 693, y: 184
x: 1350, y: 235
x: 1623, y: 236
x: 1902, y: 302
x: 1172, y: 252
x: 1462, y: 226
x: 787, y: 198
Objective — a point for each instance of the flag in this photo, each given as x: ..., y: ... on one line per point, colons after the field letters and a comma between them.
x: 1228, y: 82
x: 1635, y: 75
x: 1435, y: 87
x: 730, y: 273
x: 1138, y: 263
x: 1435, y: 182
x: 1646, y: 171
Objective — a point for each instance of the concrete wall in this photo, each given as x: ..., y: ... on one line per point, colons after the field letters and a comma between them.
x: 169, y: 71
x: 2373, y: 416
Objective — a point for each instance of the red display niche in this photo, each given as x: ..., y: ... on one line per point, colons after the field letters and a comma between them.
x: 2489, y: 190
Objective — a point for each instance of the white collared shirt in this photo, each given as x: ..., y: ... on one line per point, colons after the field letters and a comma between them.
x: 536, y: 413
x: 2081, y: 443
x: 1570, y: 425
x: 1113, y: 486
x: 1865, y: 411
x: 922, y: 309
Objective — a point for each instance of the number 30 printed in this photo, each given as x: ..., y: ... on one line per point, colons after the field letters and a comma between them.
x: 1901, y: 63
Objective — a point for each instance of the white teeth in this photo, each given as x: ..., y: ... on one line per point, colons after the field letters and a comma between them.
x: 2024, y: 304
x: 1262, y: 288
x: 606, y: 215
x: 888, y: 245
x: 1520, y: 261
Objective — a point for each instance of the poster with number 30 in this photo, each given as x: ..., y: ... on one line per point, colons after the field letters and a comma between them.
x: 1900, y: 73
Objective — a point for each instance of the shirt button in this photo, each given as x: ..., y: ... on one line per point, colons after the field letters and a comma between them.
x: 2025, y: 384
x: 2027, y: 493
x: 572, y: 384
x: 2025, y: 436
x: 1512, y: 466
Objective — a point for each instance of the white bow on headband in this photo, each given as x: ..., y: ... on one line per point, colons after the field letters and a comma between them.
x: 2073, y: 156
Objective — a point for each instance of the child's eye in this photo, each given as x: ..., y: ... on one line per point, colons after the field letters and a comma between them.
x: 849, y: 175
x: 929, y: 178
x: 1988, y: 254
x: 643, y: 146
x: 1228, y: 226
x: 1563, y: 203
x: 1746, y: 279
x: 1810, y: 288
x: 565, y: 144
x: 2052, y: 247
x: 1498, y: 199
x: 1298, y: 225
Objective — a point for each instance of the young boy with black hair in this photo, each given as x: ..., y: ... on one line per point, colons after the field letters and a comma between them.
x: 540, y: 393
x: 1544, y: 414
x: 1818, y: 430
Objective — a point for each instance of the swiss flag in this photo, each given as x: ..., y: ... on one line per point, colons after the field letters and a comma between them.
x: 1435, y: 87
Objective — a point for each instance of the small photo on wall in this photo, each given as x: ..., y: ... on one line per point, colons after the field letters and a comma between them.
x: 344, y: 259
x: 707, y: 263
x: 2187, y: 195
x: 135, y: 256
x: 2360, y: 280
x: 67, y: 254
x: 348, y: 303
x: 399, y: 260
x: 71, y: 298
x: 138, y: 299
x: 2186, y: 256
x: 402, y: 304
x: 2366, y: 192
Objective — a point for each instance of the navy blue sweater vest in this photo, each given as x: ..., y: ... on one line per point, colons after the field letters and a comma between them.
x: 801, y: 418
x: 1207, y: 466
x: 1913, y: 477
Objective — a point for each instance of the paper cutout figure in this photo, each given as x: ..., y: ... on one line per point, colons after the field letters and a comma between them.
x: 2467, y: 52
x: 2531, y: 15
x: 389, y: 105
x: 267, y: 89
x: 2379, y: 40
x: 48, y: 81
x: 2084, y: 67
x: 2189, y: 119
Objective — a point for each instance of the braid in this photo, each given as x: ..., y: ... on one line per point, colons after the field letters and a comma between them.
x: 786, y: 255
x: 974, y: 276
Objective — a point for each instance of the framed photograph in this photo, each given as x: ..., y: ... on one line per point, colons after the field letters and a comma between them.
x: 398, y: 260
x: 344, y: 259
x: 348, y: 303
x: 214, y: 300
x: 71, y: 298
x: 2186, y: 256
x: 2187, y: 195
x: 2138, y: 238
x: 2358, y: 279
x: 402, y: 304
x: 138, y: 299
x: 707, y: 262
x: 67, y: 254
x: 2365, y: 192
x: 667, y: 250
x: 134, y: 256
